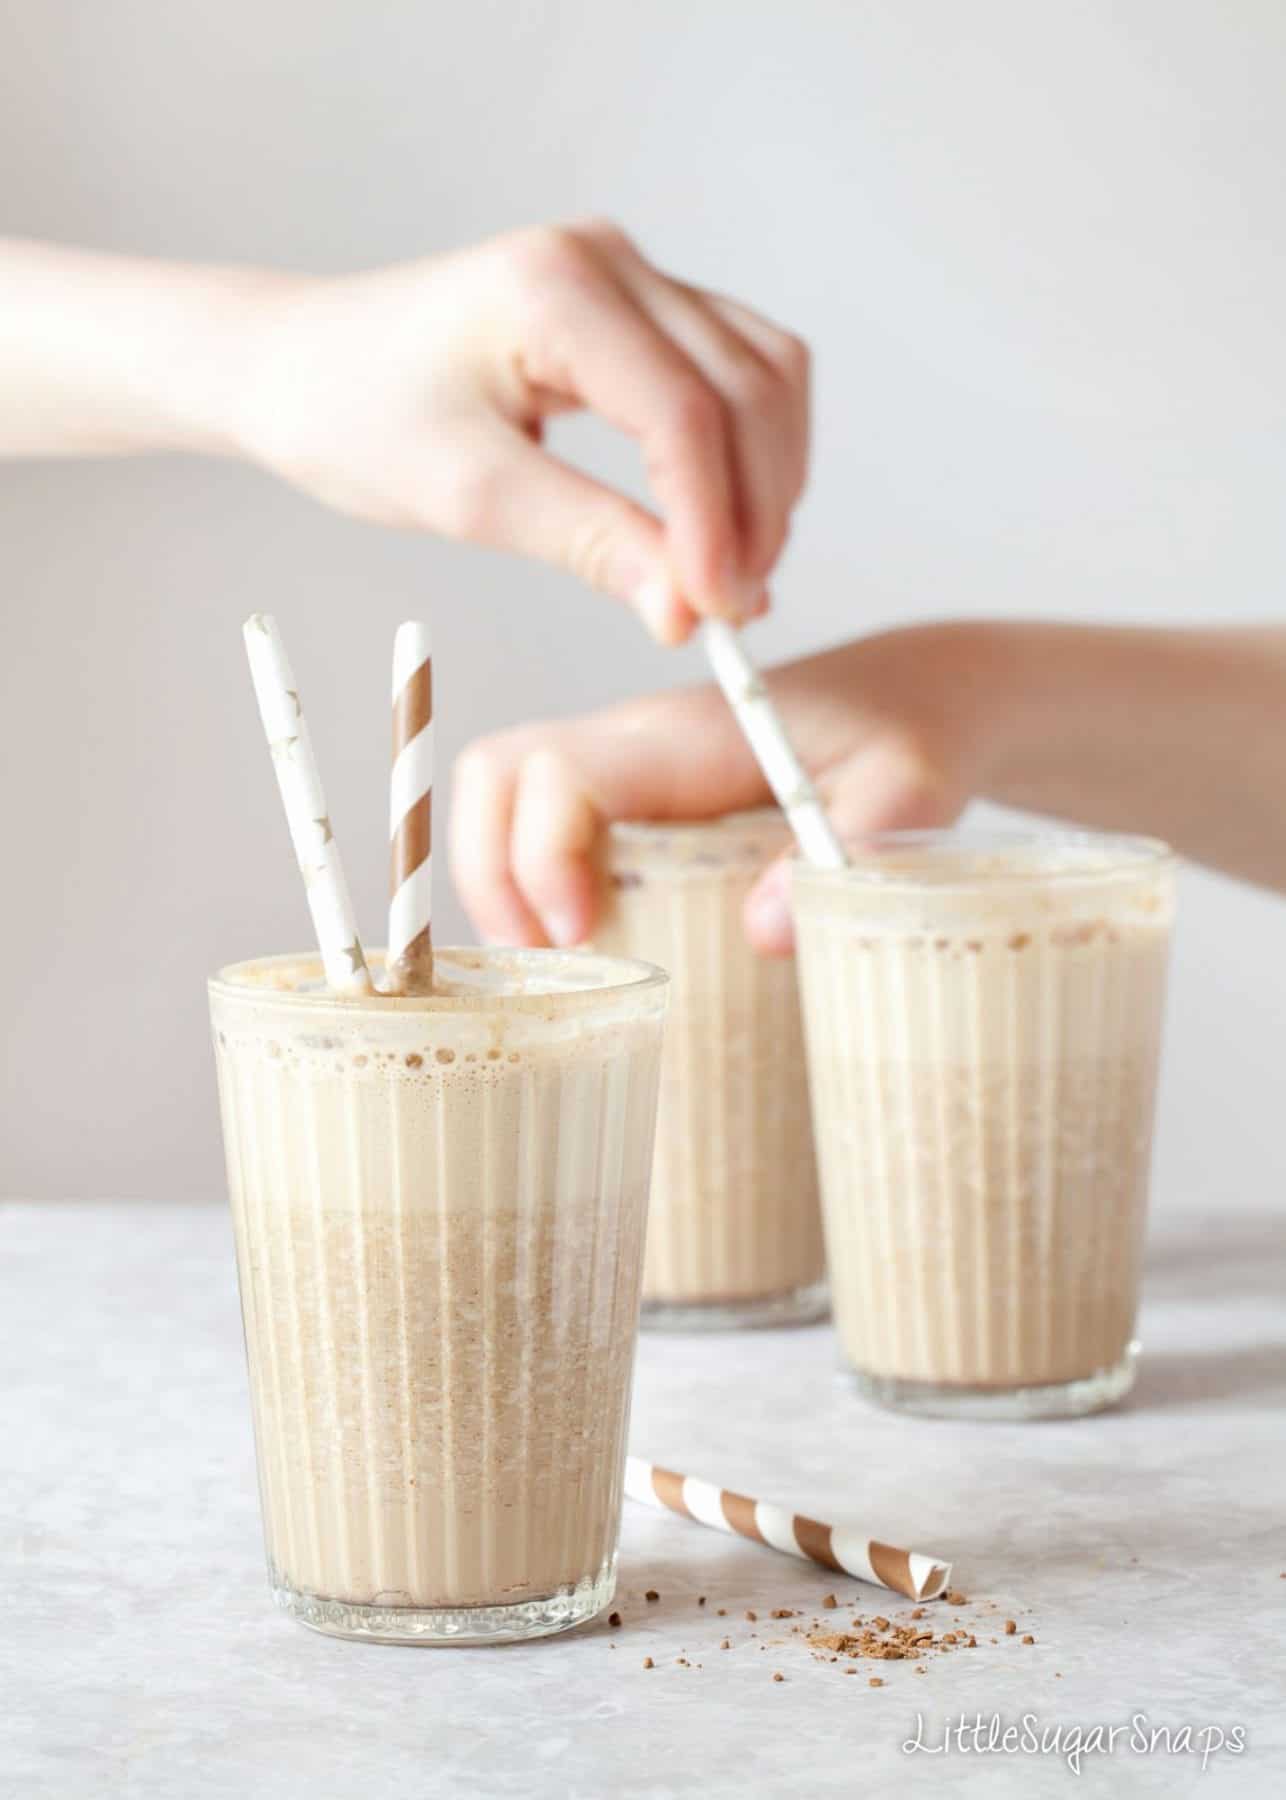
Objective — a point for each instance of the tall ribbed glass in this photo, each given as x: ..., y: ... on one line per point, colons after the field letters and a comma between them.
x: 439, y: 1206
x: 983, y: 1015
x: 734, y: 1232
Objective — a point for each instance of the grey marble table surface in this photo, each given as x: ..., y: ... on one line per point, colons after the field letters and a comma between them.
x: 1144, y: 1550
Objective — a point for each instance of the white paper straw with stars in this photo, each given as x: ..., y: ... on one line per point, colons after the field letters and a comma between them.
x: 409, y: 966
x: 301, y: 794
x: 744, y: 690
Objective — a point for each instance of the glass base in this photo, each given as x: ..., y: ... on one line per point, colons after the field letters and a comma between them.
x: 542, y: 1617
x: 1049, y: 1400
x: 797, y: 1306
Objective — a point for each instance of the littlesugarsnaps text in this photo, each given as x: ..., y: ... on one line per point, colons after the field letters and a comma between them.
x: 982, y: 1734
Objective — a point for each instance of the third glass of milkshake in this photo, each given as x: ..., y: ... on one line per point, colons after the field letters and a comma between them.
x: 439, y: 1206
x: 734, y: 1231
x: 983, y: 1015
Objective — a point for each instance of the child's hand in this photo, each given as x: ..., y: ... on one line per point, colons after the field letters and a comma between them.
x: 418, y: 396
x: 893, y: 728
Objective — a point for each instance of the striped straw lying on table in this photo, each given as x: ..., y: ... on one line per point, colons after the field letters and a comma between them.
x: 848, y: 1552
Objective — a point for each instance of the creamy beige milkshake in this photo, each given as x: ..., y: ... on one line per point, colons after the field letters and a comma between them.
x: 734, y: 1230
x: 439, y: 1207
x: 983, y: 1019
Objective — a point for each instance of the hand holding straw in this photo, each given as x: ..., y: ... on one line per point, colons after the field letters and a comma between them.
x: 848, y: 1552
x: 746, y: 694
x: 409, y: 965
x: 301, y: 794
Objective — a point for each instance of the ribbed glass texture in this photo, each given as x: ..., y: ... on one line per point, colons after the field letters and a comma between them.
x: 983, y: 1019
x: 439, y: 1209
x: 734, y: 1233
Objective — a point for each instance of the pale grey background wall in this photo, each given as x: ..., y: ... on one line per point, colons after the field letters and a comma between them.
x: 1040, y: 250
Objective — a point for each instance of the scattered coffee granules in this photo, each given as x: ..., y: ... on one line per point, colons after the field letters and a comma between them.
x: 867, y: 1644
x: 905, y: 1639
x: 613, y: 1619
x: 891, y: 1642
x: 651, y: 1595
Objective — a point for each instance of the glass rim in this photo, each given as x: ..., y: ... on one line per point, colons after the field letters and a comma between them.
x: 230, y: 983
x: 748, y: 818
x: 1125, y: 854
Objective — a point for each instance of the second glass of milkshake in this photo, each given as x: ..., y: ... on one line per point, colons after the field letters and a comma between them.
x: 439, y: 1206
x: 734, y: 1230
x: 983, y: 1015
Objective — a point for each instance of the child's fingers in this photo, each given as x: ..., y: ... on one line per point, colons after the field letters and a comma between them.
x: 522, y: 837
x: 555, y: 828
x: 483, y: 790
x: 502, y: 489
x: 766, y: 914
x: 584, y: 337
x: 761, y: 394
x: 790, y: 356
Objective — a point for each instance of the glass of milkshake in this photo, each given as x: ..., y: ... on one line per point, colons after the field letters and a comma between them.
x: 983, y: 1015
x: 439, y: 1207
x: 734, y: 1231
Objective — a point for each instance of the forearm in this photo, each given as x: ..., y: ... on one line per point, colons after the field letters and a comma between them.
x: 104, y: 355
x: 1179, y: 734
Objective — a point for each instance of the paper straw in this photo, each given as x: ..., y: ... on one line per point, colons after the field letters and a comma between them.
x: 301, y: 794
x: 409, y: 965
x: 846, y: 1551
x: 746, y: 694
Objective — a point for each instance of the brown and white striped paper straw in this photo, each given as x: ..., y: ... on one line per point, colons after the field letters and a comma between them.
x: 409, y: 966
x: 301, y: 794
x: 848, y: 1552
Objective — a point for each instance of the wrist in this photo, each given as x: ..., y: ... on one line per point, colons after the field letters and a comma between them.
x: 223, y: 324
x: 969, y: 678
x: 1072, y: 707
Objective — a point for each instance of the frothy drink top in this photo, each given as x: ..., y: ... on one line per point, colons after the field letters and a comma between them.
x: 486, y: 1003
x: 673, y: 848
x: 962, y: 933
x: 1064, y: 890
x: 512, y: 1035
